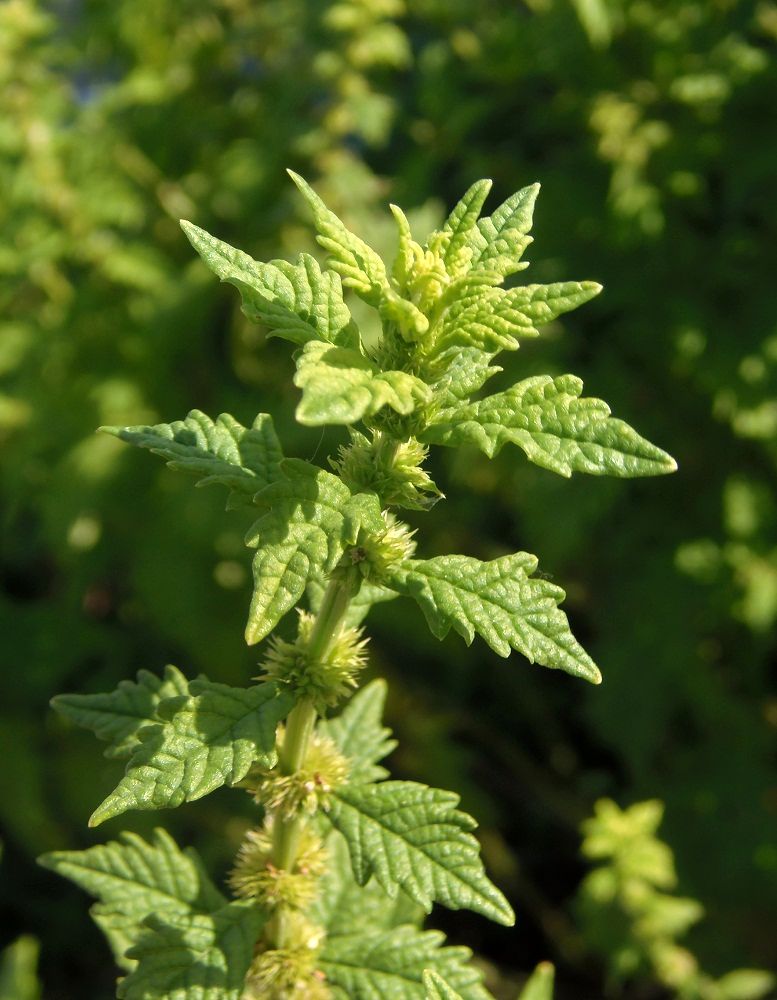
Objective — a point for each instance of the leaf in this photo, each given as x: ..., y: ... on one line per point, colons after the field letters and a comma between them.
x: 556, y: 429
x: 360, y: 735
x: 133, y: 879
x: 540, y: 983
x: 457, y: 373
x: 246, y: 460
x: 207, y: 739
x: 359, y: 265
x: 492, y: 319
x: 194, y: 956
x: 500, y: 240
x: 459, y: 225
x: 745, y: 984
x: 19, y: 970
x: 341, y: 386
x: 390, y: 965
x: 118, y: 716
x: 413, y: 837
x: 501, y: 601
x: 298, y: 302
x: 437, y: 989
x: 345, y: 907
x: 311, y: 516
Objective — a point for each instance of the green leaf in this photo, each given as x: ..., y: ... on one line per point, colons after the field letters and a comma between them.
x: 244, y: 459
x: 298, y: 302
x: 359, y: 265
x: 194, y: 956
x: 556, y: 429
x: 437, y: 989
x: 133, y: 879
x: 19, y: 970
x: 390, y: 965
x: 456, y: 374
x: 341, y: 386
x: 311, y: 516
x: 492, y: 319
x: 360, y: 735
x: 119, y: 716
x: 745, y: 984
x: 540, y: 983
x: 345, y: 907
x: 413, y: 837
x: 207, y: 739
x: 501, y: 601
x: 459, y: 225
x: 500, y: 240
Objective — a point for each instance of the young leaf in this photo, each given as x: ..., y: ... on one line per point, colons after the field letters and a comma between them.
x: 208, y: 739
x: 311, y: 516
x: 341, y: 386
x: 119, y: 716
x: 459, y: 225
x: 501, y: 601
x: 540, y: 984
x: 359, y: 734
x: 244, y: 459
x: 390, y: 965
x: 413, y: 837
x: 345, y: 907
x: 358, y: 264
x: 298, y: 302
x: 492, y: 319
x: 500, y: 240
x: 556, y: 429
x: 437, y: 989
x: 133, y: 879
x: 194, y: 956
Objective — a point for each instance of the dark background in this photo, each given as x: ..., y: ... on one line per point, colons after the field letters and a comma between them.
x: 652, y: 129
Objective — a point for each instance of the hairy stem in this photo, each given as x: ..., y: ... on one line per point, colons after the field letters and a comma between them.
x: 299, y: 730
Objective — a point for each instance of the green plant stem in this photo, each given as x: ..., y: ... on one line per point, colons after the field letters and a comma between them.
x: 300, y: 725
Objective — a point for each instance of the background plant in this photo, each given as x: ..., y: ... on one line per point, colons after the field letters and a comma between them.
x: 510, y: 92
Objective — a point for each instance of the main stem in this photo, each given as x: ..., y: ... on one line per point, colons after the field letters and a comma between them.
x: 299, y: 730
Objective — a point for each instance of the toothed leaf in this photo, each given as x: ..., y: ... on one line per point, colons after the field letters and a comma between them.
x: 540, y: 984
x: 500, y: 240
x: 412, y: 837
x: 360, y: 735
x: 194, y: 956
x: 556, y: 429
x: 359, y: 265
x: 297, y: 301
x: 207, y: 739
x: 345, y: 907
x: 311, y: 517
x: 501, y: 601
x: 437, y: 989
x: 133, y: 879
x: 118, y: 716
x: 225, y: 452
x: 390, y: 965
x: 456, y: 231
x: 341, y: 386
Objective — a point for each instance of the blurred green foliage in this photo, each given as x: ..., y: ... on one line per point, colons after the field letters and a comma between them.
x: 648, y: 125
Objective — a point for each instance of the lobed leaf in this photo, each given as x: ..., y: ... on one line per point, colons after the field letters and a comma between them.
x: 298, y: 301
x: 207, y: 739
x: 244, y: 459
x: 194, y: 956
x: 555, y: 428
x: 457, y: 229
x: 133, y: 879
x: 360, y: 735
x: 390, y: 965
x: 499, y: 240
x: 412, y: 837
x: 341, y: 386
x: 501, y: 601
x: 118, y: 716
x: 311, y: 516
